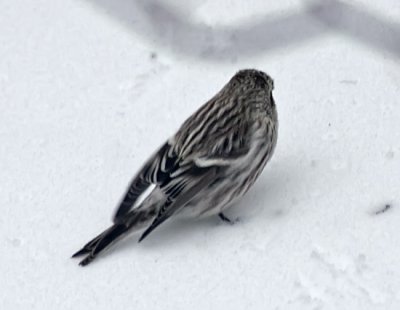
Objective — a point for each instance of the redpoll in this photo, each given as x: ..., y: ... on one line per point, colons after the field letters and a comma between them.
x: 211, y: 161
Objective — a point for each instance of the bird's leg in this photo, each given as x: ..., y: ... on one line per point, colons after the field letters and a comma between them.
x: 224, y: 218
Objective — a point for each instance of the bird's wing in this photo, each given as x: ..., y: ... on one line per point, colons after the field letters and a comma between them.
x: 181, y: 182
x: 180, y: 188
x: 226, y: 147
x: 153, y: 172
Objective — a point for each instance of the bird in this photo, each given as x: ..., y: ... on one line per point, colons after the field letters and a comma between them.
x: 210, y: 162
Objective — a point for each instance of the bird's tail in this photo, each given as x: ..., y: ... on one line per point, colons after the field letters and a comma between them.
x: 133, y: 221
x: 101, y: 242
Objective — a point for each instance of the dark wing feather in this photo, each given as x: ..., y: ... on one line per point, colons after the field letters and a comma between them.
x: 180, y: 190
x: 155, y: 170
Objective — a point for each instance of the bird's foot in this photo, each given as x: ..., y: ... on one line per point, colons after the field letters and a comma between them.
x: 226, y: 219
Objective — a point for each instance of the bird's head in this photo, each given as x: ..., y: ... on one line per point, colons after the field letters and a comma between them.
x: 249, y: 79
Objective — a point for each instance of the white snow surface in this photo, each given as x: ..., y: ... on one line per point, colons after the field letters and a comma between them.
x: 90, y: 88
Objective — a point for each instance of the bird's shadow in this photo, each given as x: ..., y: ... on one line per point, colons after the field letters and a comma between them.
x: 160, y: 23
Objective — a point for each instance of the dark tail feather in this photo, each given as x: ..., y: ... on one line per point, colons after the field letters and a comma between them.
x: 88, y: 247
x: 132, y: 221
x: 101, y: 242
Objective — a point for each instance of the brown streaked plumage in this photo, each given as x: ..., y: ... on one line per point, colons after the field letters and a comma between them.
x: 212, y: 160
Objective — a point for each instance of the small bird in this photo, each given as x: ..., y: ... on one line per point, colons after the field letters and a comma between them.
x: 211, y: 161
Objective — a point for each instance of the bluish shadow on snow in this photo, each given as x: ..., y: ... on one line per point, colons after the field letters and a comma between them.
x: 157, y: 22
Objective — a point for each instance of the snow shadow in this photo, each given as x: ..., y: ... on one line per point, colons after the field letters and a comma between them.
x: 160, y: 23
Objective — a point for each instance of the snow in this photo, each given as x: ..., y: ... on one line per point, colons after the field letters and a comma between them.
x: 88, y: 90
